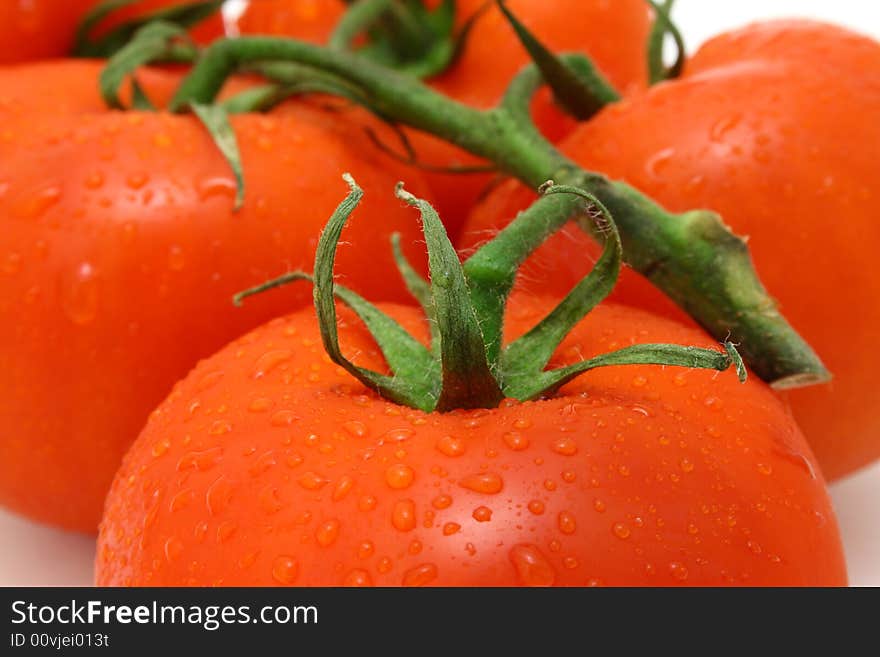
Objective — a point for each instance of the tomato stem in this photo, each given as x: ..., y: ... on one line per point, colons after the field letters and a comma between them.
x: 664, y: 26
x: 466, y: 366
x: 693, y: 257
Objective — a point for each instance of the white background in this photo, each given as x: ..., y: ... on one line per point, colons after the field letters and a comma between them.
x: 35, y: 555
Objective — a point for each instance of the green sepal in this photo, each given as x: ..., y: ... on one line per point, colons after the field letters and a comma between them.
x: 216, y: 122
x: 663, y: 26
x: 580, y: 89
x: 184, y: 16
x: 531, y: 352
x: 418, y: 391
x: 544, y: 384
x: 492, y: 270
x: 467, y: 379
x: 404, y: 34
x: 157, y: 41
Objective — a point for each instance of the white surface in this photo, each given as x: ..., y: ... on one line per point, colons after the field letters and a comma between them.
x: 32, y: 555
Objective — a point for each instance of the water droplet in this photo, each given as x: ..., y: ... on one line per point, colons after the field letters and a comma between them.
x: 173, y: 548
x: 450, y: 446
x: 365, y: 550
x: 565, y: 446
x: 312, y: 481
x: 79, y: 295
x: 420, y: 575
x: 269, y: 500
x: 40, y: 203
x: 441, y: 502
x: 399, y: 476
x: 658, y: 162
x: 200, y: 460
x: 566, y: 523
x: 137, y: 180
x: 599, y: 506
x: 269, y: 361
x: 451, y: 528
x: 343, y: 488
x: 355, y: 428
x: 327, y: 532
x: 686, y: 465
x: 218, y: 496
x: 181, y: 500
x: 765, y: 468
x: 176, y: 259
x: 285, y: 570
x: 536, y: 507
x: 263, y: 463
x: 403, y: 515
x: 620, y: 530
x: 569, y: 476
x: 358, y: 578
x: 482, y: 514
x: 283, y: 418
x: 723, y: 126
x: 367, y: 503
x: 487, y: 483
x: 220, y: 427
x: 384, y: 565
x: 12, y: 263
x: 532, y: 567
x: 678, y: 571
x: 160, y: 447
x: 260, y: 405
x: 226, y: 530
x: 209, y: 380
x: 515, y: 441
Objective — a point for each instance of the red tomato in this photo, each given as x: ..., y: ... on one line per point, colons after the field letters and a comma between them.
x: 774, y: 127
x: 269, y: 465
x: 42, y: 29
x: 613, y: 34
x: 119, y: 253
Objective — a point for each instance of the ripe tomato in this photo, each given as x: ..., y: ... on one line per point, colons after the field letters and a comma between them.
x: 41, y: 29
x: 614, y: 34
x: 269, y: 465
x: 119, y: 253
x: 774, y: 127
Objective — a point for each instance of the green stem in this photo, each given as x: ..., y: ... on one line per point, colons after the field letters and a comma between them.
x: 356, y: 20
x: 693, y: 257
x: 663, y: 25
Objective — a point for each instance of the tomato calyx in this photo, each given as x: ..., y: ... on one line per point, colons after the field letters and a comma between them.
x: 404, y: 34
x: 466, y: 366
x: 185, y: 16
x: 577, y: 85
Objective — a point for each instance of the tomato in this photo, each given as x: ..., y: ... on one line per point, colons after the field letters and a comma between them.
x: 269, y: 465
x: 309, y: 20
x: 774, y: 127
x: 41, y: 29
x: 119, y: 253
x: 614, y: 34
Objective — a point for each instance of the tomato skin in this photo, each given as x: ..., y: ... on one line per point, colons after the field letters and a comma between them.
x: 39, y: 28
x: 119, y: 253
x: 42, y: 29
x: 269, y: 465
x: 613, y: 34
x: 774, y: 128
